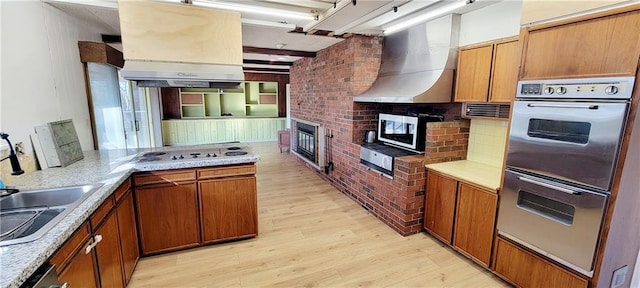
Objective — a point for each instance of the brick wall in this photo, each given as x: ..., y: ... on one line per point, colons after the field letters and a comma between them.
x: 322, y: 90
x: 447, y: 141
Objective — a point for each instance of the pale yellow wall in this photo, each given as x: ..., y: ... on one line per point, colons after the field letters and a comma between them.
x: 487, y: 140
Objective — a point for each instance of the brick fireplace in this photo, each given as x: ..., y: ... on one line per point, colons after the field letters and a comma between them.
x: 322, y: 90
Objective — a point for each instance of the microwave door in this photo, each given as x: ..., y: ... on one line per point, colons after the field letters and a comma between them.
x: 576, y: 141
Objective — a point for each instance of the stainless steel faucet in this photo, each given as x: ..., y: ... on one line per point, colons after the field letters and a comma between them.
x: 13, y: 158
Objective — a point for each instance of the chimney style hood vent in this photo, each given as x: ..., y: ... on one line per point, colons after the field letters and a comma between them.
x: 180, y: 45
x: 418, y: 64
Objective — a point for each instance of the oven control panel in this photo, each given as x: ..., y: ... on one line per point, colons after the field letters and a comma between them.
x: 580, y: 88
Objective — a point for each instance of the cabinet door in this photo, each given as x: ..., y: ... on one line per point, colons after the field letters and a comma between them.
x: 108, y: 253
x: 504, y: 75
x: 475, y: 222
x: 600, y: 47
x: 474, y: 70
x: 440, y: 205
x: 528, y: 270
x: 128, y: 235
x: 228, y: 208
x: 167, y: 217
x: 81, y: 269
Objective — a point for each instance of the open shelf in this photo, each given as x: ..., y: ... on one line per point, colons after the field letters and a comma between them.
x: 250, y: 99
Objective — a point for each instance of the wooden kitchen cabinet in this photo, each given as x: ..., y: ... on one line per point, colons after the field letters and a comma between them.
x: 108, y: 252
x: 128, y: 234
x: 167, y: 213
x: 73, y: 265
x: 597, y: 45
x: 228, y: 208
x: 461, y: 215
x: 473, y: 73
x: 504, y: 75
x: 525, y: 269
x: 488, y: 72
x: 440, y: 201
x: 475, y: 222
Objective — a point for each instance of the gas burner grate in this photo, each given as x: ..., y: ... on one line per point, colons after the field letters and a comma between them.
x: 151, y: 154
x: 234, y: 148
x: 235, y: 153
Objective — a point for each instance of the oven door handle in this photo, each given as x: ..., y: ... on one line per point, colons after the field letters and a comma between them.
x: 590, y: 107
x: 565, y: 190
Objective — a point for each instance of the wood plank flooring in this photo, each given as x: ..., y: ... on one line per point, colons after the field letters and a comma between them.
x: 311, y: 235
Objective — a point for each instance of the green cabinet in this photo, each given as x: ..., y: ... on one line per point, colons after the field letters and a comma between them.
x: 258, y: 99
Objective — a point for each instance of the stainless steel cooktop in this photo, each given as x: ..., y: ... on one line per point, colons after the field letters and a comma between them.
x: 191, y: 154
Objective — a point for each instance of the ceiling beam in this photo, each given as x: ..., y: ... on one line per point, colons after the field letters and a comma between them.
x: 274, y: 70
x: 284, y: 52
x: 266, y: 62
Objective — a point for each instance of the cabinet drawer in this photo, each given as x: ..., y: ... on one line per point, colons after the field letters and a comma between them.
x: 122, y: 190
x: 102, y: 212
x: 61, y: 258
x: 528, y: 270
x: 164, y: 177
x: 220, y: 172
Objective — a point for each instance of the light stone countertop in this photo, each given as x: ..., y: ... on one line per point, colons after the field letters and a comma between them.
x: 109, y: 167
x: 481, y: 174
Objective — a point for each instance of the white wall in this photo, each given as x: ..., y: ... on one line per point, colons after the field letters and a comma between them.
x: 42, y: 77
x: 492, y: 22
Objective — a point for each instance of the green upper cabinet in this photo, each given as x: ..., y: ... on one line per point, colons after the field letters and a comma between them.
x: 250, y: 99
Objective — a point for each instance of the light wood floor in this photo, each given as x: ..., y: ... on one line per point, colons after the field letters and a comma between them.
x: 311, y: 235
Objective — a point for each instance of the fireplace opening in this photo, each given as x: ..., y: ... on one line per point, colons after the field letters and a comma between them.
x: 306, y: 146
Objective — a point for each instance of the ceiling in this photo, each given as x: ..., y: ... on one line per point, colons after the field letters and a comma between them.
x: 292, y: 25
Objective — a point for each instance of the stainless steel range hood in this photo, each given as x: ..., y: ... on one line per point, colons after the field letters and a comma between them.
x: 418, y: 64
x: 174, y: 74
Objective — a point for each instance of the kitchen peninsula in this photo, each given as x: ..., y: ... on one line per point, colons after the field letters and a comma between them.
x: 113, y: 168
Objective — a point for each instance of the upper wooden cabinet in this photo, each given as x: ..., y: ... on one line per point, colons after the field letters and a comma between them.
x: 179, y: 33
x: 474, y: 70
x: 488, y: 72
x: 597, y: 45
x: 504, y: 76
x: 537, y: 11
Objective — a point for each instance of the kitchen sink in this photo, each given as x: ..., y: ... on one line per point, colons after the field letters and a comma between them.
x: 27, y: 215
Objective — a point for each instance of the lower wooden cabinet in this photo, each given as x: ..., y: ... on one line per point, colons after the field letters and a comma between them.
x: 186, y: 208
x: 461, y: 215
x: 74, y: 266
x: 475, y: 222
x: 128, y: 234
x: 440, y: 201
x: 167, y: 217
x: 525, y: 269
x: 108, y: 252
x: 228, y: 208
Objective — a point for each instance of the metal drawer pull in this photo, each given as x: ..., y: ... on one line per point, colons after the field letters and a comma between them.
x: 96, y: 240
x: 590, y: 107
x: 565, y: 190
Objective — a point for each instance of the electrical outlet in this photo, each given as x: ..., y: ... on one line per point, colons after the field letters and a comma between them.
x: 19, y: 148
x: 619, y: 277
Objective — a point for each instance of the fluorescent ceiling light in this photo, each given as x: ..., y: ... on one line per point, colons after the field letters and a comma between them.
x: 430, y: 14
x: 254, y: 9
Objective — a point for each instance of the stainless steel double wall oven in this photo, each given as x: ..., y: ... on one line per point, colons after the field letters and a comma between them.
x: 563, y: 147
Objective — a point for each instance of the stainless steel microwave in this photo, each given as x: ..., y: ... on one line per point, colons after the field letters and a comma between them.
x: 405, y: 131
